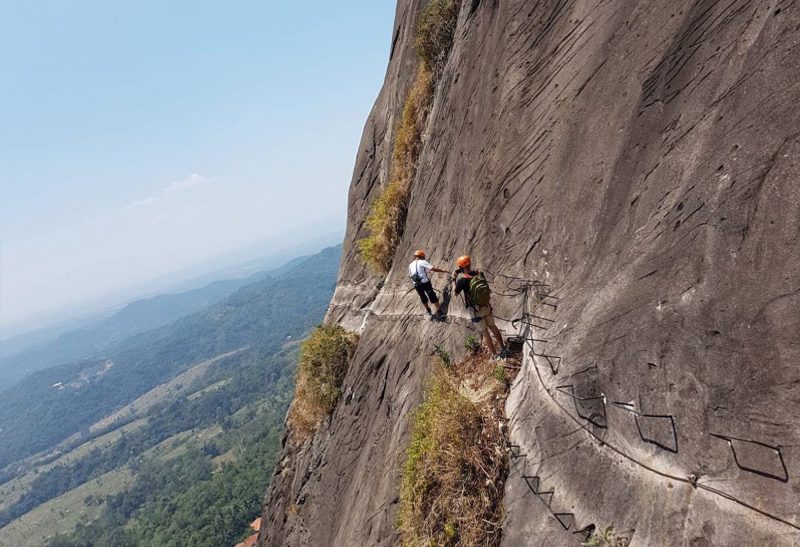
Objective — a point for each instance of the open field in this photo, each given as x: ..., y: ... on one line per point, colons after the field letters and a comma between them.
x: 11, y: 491
x: 176, y: 445
x: 177, y: 386
x: 63, y: 513
x: 227, y: 457
x: 209, y: 389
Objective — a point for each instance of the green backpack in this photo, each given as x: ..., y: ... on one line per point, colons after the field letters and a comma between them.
x: 479, y: 291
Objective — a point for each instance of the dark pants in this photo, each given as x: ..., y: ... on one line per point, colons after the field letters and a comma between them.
x: 426, y: 292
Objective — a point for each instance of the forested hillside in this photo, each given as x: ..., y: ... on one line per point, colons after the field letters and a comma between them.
x: 95, y: 338
x: 34, y: 415
x: 215, y: 428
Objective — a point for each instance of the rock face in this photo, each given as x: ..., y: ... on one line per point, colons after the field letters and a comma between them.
x: 641, y: 160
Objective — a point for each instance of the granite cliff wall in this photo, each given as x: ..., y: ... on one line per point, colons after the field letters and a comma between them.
x: 640, y: 159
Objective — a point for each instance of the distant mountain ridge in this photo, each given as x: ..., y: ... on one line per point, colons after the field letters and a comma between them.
x: 35, y: 416
x: 141, y: 315
x: 237, y: 263
x: 136, y: 317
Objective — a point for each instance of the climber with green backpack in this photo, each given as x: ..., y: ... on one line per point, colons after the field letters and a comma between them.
x: 477, y: 297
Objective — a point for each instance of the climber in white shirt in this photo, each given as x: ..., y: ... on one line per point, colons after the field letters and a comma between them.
x: 419, y: 272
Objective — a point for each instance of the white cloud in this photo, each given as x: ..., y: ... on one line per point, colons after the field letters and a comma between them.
x: 142, y: 202
x: 192, y: 180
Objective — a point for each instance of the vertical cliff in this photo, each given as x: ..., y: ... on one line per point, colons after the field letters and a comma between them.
x: 640, y: 160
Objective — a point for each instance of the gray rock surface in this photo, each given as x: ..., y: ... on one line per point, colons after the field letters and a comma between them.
x: 641, y: 160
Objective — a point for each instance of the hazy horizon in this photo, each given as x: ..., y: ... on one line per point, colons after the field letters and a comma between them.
x: 142, y: 139
x: 175, y: 281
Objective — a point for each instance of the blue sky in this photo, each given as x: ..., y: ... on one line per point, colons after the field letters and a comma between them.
x: 137, y: 138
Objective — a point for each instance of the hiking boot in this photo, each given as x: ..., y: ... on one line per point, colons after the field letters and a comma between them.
x: 504, y: 352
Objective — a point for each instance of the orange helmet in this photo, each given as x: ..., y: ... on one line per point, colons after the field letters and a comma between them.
x: 419, y: 253
x: 463, y: 261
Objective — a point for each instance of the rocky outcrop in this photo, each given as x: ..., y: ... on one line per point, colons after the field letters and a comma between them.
x: 626, y: 173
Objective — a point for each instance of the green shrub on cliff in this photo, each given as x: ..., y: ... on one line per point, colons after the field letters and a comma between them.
x: 387, y: 217
x: 324, y: 358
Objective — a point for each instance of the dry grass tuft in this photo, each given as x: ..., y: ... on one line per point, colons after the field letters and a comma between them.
x: 435, y: 30
x: 408, y: 141
x: 455, y: 469
x: 387, y: 217
x: 324, y: 359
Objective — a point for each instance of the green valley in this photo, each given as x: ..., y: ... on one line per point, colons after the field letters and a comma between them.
x: 169, y: 438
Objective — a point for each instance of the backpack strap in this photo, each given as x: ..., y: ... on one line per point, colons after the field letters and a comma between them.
x: 465, y: 294
x: 416, y: 277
